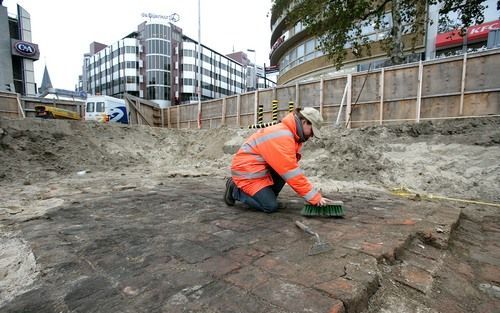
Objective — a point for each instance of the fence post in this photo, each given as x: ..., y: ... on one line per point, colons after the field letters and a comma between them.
x: 168, y: 117
x: 381, y: 107
x: 321, y: 84
x: 19, y: 106
x: 223, y: 119
x: 349, y: 99
x: 297, y: 95
x: 178, y: 118
x: 462, y: 88
x: 138, y: 108
x: 238, y: 107
x: 256, y: 106
x: 419, y: 90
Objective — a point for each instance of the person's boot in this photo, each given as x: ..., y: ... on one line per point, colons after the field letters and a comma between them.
x: 228, y: 195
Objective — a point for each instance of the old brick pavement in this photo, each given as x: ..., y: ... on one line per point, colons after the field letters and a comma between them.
x: 175, y: 247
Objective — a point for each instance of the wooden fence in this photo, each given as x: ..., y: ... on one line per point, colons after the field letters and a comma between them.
x: 10, y: 105
x: 29, y: 104
x: 13, y: 106
x: 454, y: 87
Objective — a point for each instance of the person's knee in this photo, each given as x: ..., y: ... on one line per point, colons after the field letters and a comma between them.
x: 270, y: 207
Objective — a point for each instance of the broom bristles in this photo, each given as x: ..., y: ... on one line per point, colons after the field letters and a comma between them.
x: 333, y: 209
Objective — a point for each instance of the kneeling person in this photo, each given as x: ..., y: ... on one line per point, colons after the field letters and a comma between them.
x: 269, y: 159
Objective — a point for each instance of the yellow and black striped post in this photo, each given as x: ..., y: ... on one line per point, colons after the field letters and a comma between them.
x: 260, y: 114
x: 275, y: 110
x: 290, y: 106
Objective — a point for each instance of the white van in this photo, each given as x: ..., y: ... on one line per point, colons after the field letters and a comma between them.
x: 106, y: 109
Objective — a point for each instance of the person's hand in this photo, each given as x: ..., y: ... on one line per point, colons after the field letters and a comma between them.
x: 324, y: 201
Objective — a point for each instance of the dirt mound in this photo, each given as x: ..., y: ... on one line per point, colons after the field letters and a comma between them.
x: 454, y: 158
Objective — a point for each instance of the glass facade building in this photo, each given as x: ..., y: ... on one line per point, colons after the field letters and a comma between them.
x: 158, y: 63
x: 114, y: 69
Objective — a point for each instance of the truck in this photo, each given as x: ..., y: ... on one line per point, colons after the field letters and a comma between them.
x: 51, y: 112
x: 106, y: 109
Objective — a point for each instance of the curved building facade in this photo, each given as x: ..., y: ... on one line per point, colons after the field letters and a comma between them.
x: 296, y: 53
x: 298, y: 57
x: 157, y: 43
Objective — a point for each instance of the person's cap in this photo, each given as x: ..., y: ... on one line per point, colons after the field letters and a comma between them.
x: 315, y: 118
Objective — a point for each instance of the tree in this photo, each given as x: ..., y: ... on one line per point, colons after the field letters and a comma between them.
x: 339, y: 23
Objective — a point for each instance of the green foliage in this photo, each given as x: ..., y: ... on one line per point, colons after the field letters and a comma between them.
x: 338, y: 23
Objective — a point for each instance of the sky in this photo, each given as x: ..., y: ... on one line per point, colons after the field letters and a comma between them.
x: 64, y: 29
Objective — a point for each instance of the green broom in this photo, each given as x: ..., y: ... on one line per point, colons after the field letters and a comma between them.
x: 332, y: 209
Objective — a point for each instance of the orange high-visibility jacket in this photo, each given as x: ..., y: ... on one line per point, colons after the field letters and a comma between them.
x: 273, y: 147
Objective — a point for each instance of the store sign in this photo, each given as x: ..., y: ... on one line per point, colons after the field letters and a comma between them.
x: 474, y: 33
x: 271, y: 69
x: 25, y: 49
x: 174, y: 17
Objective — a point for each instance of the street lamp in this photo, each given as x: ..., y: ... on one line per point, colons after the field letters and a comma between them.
x: 254, y: 78
x: 200, y: 60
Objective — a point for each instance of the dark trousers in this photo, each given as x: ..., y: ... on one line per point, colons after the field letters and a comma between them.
x: 264, y: 200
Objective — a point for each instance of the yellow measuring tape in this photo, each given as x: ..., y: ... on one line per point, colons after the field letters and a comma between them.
x: 405, y: 192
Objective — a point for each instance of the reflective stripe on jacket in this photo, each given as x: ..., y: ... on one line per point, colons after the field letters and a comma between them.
x: 274, y: 147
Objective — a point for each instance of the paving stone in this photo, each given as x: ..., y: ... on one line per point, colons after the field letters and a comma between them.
x: 482, y: 254
x: 453, y: 285
x: 219, y: 266
x: 88, y: 293
x: 490, y: 273
x: 229, y: 299
x: 417, y: 246
x: 191, y: 252
x: 461, y: 268
x: 449, y: 305
x: 305, y: 272
x: 41, y: 299
x: 232, y: 225
x: 337, y: 308
x: 291, y: 297
x: 245, y: 255
x: 353, y: 294
x: 421, y: 261
x: 414, y: 277
x: 492, y: 306
x: 248, y: 278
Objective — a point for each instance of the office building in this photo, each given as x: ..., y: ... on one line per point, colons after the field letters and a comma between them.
x: 255, y: 74
x: 159, y: 63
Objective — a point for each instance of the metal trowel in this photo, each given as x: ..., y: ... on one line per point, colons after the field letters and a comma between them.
x: 319, y: 246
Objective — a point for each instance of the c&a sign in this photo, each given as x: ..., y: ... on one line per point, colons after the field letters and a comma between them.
x: 25, y: 49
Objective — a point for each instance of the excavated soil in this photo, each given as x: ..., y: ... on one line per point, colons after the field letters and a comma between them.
x: 456, y: 158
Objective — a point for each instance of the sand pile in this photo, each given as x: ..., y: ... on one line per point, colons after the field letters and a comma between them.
x: 455, y: 158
